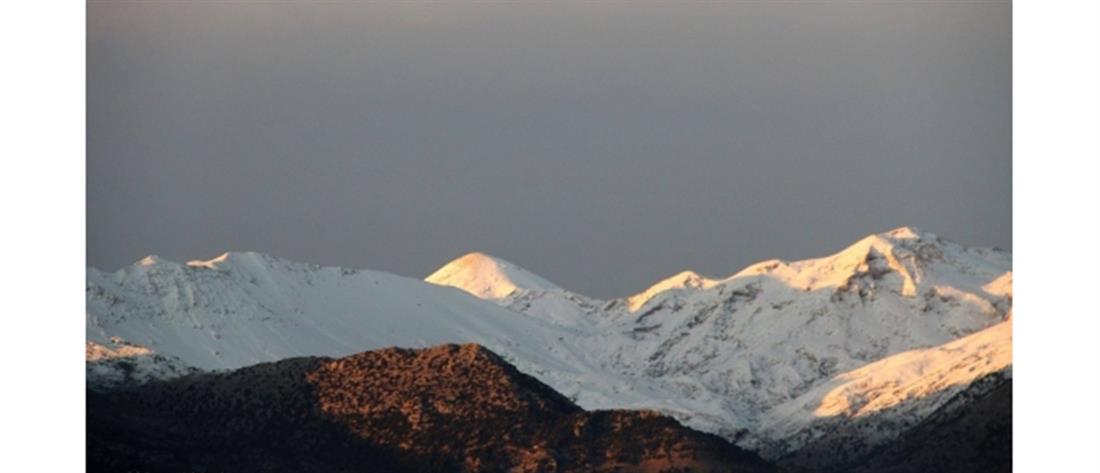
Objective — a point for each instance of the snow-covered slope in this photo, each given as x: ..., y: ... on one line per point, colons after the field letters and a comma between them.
x: 748, y: 346
x: 245, y: 308
x: 683, y: 280
x: 760, y: 356
x: 775, y: 330
x: 900, y: 389
x: 241, y: 309
x: 120, y: 363
x: 487, y: 277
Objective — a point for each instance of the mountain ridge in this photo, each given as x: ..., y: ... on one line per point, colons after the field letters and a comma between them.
x: 715, y: 356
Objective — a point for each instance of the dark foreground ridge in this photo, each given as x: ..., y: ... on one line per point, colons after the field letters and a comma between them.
x: 447, y: 408
x: 973, y: 434
x: 970, y: 433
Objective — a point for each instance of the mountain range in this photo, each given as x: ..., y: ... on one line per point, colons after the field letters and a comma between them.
x: 791, y: 360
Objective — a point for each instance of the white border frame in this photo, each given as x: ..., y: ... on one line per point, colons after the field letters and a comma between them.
x: 1056, y: 261
x: 41, y: 362
x: 1056, y: 186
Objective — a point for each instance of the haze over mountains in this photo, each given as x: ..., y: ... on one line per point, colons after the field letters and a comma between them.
x: 781, y: 358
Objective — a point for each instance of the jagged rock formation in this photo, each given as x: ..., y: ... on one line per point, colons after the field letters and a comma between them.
x: 447, y: 408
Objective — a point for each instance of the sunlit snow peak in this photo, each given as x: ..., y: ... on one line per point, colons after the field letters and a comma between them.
x: 487, y: 277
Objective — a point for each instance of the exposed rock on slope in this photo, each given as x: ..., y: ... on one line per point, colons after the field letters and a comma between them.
x: 448, y: 408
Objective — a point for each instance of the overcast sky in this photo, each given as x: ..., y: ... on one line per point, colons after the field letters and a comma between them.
x: 601, y: 146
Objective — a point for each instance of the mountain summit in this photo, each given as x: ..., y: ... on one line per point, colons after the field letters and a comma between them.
x: 681, y: 280
x: 487, y: 277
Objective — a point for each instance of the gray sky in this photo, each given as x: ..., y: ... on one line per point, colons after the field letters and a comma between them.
x: 601, y: 146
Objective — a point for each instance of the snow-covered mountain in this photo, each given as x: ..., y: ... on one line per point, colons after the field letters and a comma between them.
x: 240, y: 309
x: 244, y: 308
x: 767, y: 356
x: 776, y: 330
x: 757, y: 348
x: 487, y: 277
x: 687, y: 279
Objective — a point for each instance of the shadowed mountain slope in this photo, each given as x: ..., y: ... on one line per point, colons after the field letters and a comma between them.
x: 970, y: 433
x: 973, y: 434
x: 446, y: 408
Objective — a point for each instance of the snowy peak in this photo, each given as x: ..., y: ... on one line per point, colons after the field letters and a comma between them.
x: 487, y: 277
x: 148, y: 260
x: 212, y: 263
x: 681, y: 280
x: 225, y: 261
x: 241, y: 260
x: 905, y: 253
x: 905, y: 233
x: 902, y: 251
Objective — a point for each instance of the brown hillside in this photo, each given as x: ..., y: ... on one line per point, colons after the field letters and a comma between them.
x: 447, y: 408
